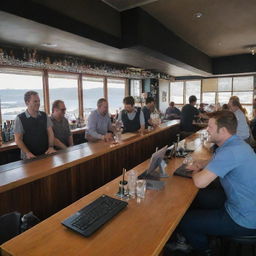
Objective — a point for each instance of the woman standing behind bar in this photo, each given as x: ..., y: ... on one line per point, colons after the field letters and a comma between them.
x: 242, y: 126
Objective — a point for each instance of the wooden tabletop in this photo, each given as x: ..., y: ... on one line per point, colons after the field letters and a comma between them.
x: 36, y: 169
x: 141, y: 229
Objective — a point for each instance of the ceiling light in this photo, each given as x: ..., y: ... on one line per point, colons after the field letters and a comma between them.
x: 49, y: 45
x: 251, y: 48
x: 198, y: 15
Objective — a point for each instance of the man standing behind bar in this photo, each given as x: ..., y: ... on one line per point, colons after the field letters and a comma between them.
x: 99, y: 123
x: 33, y: 129
x: 132, y: 118
x: 147, y: 110
x: 62, y: 134
x: 188, y: 114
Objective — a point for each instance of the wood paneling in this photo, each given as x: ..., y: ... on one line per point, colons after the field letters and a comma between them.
x: 142, y: 228
x: 47, y: 185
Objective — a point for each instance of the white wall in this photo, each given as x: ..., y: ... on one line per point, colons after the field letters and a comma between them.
x: 163, y: 87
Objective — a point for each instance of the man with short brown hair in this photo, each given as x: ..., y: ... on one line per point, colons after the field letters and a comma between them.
x: 231, y: 209
x: 33, y: 129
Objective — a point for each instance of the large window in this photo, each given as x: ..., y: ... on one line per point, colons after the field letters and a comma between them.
x: 92, y: 91
x: 135, y: 88
x: 193, y: 88
x: 65, y: 87
x: 176, y: 92
x: 219, y: 90
x: 208, y: 97
x: 116, y: 92
x: 13, y: 85
x: 181, y: 91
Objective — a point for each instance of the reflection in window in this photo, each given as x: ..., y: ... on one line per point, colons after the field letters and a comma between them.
x: 12, y: 90
x: 92, y: 91
x: 209, y: 98
x: 193, y: 88
x: 225, y: 84
x: 176, y: 92
x: 135, y: 90
x: 64, y: 87
x: 116, y: 92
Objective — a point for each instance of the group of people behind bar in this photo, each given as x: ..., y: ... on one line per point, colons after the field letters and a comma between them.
x: 36, y: 133
x: 132, y: 119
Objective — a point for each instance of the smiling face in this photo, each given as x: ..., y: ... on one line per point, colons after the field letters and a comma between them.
x: 60, y: 111
x: 33, y: 103
x: 128, y: 107
x: 216, y: 135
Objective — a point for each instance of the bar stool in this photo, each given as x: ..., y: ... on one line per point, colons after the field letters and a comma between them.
x: 238, y: 245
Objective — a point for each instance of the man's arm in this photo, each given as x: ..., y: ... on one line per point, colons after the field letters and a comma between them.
x: 92, y: 124
x: 203, y: 178
x: 18, y: 136
x: 50, y: 149
x: 142, y: 121
x: 59, y: 144
x: 19, y: 141
x: 70, y: 140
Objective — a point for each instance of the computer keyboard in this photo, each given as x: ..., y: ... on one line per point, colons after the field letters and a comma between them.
x: 90, y: 218
x: 183, y: 171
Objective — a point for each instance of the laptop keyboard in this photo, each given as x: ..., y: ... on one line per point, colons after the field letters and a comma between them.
x: 87, y: 220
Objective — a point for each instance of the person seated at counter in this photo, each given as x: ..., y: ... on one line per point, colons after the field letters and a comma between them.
x: 225, y: 107
x: 147, y: 110
x: 99, y: 123
x: 188, y: 114
x: 228, y: 210
x: 242, y: 126
x: 201, y: 108
x: 62, y: 135
x: 172, y: 112
x: 132, y: 117
x: 33, y: 129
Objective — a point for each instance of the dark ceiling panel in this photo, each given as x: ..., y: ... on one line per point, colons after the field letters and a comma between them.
x: 225, y: 27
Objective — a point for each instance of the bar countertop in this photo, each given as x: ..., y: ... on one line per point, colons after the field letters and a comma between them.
x: 19, y: 173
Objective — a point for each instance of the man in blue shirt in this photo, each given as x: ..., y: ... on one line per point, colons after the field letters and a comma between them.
x: 227, y: 211
x: 99, y: 124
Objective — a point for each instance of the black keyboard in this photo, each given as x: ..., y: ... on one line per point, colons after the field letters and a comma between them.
x: 183, y: 171
x: 90, y: 218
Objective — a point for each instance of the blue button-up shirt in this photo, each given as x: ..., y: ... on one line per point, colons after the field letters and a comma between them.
x: 235, y: 163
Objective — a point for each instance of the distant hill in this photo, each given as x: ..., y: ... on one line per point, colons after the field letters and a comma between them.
x: 15, y: 98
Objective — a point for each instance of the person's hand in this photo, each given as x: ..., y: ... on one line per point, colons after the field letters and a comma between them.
x: 108, y: 137
x: 197, y: 165
x: 29, y: 155
x: 50, y: 150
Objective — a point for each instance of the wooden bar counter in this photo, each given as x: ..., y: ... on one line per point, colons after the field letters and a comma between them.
x: 47, y: 185
x: 142, y: 228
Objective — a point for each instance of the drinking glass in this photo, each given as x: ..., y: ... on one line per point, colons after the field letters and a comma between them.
x: 140, y: 188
